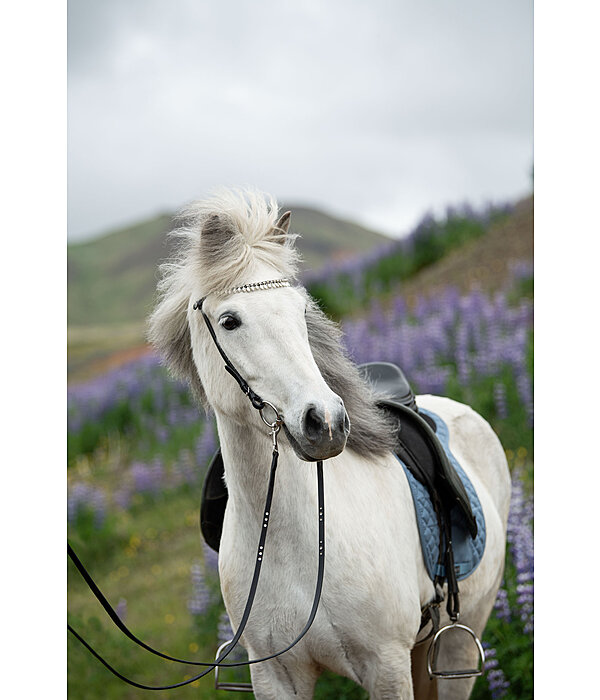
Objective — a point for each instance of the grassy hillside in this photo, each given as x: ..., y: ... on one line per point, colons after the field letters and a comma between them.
x: 486, y: 262
x: 112, y: 279
x: 462, y: 248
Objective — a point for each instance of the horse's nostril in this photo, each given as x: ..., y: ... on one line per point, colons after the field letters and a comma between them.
x: 313, y: 424
x: 346, y: 424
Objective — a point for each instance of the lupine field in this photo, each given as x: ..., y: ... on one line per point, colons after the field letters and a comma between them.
x: 138, y: 449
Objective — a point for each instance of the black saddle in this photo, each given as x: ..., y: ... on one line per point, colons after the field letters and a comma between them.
x: 417, y: 444
x: 418, y: 447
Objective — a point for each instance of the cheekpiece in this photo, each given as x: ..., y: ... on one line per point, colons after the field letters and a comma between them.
x: 255, y: 287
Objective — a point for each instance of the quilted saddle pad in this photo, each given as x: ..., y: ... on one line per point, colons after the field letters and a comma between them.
x: 467, y: 551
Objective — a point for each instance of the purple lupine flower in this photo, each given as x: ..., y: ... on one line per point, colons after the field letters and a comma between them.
x: 146, y: 478
x: 525, y: 602
x: 224, y: 630
x: 122, y: 497
x: 162, y: 434
x: 496, y: 679
x: 500, y: 400
x: 225, y: 633
x: 502, y: 606
x: 82, y: 496
x: 184, y: 469
x: 206, y: 445
x: 478, y: 335
x: 99, y: 507
x: 90, y: 400
x: 121, y: 609
x: 200, y: 601
x: 158, y: 473
x: 211, y: 558
x: 173, y: 415
x: 525, y: 392
x: 520, y: 541
x: 520, y: 270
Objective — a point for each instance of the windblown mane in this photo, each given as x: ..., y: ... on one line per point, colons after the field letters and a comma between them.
x: 218, y: 239
x: 372, y: 432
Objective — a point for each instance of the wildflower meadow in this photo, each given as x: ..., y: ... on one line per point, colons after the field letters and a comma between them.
x: 139, y: 447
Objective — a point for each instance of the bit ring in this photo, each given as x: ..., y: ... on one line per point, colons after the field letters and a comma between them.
x: 277, y: 422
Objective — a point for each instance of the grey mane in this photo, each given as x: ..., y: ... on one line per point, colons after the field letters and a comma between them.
x: 215, y: 242
x: 371, y: 431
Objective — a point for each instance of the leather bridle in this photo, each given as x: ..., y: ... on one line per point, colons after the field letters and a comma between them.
x: 259, y: 404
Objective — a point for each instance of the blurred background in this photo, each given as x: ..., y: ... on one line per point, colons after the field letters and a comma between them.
x: 400, y: 136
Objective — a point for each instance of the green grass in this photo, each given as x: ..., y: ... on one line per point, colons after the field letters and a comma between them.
x: 145, y: 558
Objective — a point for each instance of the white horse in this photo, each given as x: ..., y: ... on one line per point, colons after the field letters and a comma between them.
x: 375, y: 578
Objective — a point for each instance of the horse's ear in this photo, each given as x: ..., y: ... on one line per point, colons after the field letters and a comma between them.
x: 281, y: 229
x: 218, y: 232
x: 283, y: 224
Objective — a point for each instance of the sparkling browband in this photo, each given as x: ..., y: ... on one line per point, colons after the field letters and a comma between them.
x: 255, y: 287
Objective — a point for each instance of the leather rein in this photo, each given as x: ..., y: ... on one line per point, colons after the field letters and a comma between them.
x: 259, y: 404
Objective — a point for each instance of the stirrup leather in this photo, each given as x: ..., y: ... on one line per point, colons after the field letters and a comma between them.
x: 432, y: 655
x: 221, y: 685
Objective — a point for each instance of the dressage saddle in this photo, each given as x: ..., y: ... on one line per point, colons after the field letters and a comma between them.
x: 417, y: 446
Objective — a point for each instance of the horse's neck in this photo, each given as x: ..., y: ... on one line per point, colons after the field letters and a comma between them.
x: 247, y: 454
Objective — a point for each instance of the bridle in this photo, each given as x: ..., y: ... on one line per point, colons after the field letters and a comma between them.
x: 259, y: 404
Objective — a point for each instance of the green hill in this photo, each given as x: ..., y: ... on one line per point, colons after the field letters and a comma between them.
x: 112, y: 279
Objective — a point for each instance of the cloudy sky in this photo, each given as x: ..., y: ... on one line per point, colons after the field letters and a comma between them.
x: 375, y: 111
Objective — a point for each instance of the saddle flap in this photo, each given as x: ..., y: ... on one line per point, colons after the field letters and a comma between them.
x: 213, y: 502
x: 428, y: 461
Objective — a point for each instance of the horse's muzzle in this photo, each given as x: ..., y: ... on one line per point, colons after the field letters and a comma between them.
x: 323, y: 432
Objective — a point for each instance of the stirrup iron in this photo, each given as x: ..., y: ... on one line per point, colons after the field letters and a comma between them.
x: 434, y: 647
x: 220, y: 685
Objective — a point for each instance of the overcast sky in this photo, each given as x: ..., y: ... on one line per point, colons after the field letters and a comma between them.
x: 375, y: 111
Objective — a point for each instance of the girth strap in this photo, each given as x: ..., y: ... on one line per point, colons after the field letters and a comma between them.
x: 431, y: 613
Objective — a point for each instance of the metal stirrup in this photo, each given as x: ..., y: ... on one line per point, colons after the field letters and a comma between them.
x: 222, y: 685
x: 434, y: 648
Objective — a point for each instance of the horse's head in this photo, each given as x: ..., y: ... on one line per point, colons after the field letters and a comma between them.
x: 231, y: 241
x: 264, y: 334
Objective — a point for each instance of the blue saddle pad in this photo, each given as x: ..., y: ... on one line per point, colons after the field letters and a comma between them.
x: 467, y: 551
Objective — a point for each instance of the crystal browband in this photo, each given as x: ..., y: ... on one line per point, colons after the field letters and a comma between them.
x: 255, y: 287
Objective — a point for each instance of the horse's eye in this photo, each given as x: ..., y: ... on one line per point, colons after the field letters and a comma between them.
x: 229, y: 322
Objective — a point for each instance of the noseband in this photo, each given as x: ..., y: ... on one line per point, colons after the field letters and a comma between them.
x: 259, y: 404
